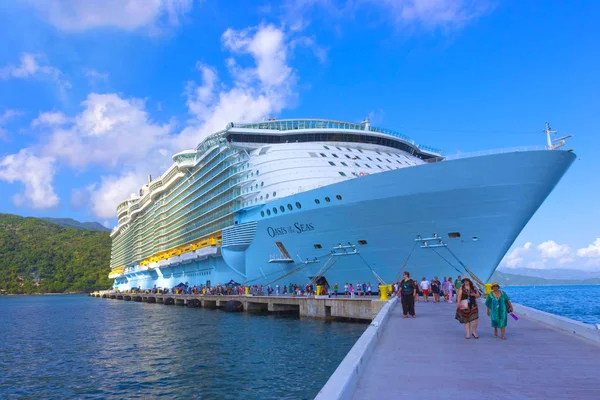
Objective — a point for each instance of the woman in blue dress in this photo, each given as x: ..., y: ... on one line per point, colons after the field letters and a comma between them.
x: 498, y: 306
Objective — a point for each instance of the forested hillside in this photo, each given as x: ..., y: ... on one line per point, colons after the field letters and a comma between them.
x: 41, y: 257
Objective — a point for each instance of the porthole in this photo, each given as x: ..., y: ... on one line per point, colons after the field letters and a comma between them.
x: 256, y: 172
x: 338, y: 197
x: 262, y: 184
x: 267, y: 196
x: 362, y: 242
x: 318, y: 246
x: 268, y: 212
x: 262, y: 213
x: 274, y: 194
x: 317, y: 201
x: 298, y: 205
x: 327, y: 199
x: 475, y: 238
x: 454, y: 235
x: 274, y: 210
x: 290, y: 207
x: 282, y: 208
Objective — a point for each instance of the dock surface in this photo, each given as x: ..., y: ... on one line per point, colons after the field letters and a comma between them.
x: 429, y: 357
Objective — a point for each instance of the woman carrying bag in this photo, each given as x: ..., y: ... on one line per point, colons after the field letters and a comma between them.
x: 467, y: 312
x: 498, y: 306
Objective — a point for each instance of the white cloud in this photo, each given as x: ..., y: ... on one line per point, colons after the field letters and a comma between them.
x: 111, y: 191
x: 32, y: 65
x: 94, y: 76
x: 433, y: 13
x: 6, y: 116
x: 50, y: 119
x: 77, y: 15
x: 592, y: 251
x: 35, y: 173
x: 109, y: 131
x: 514, y: 258
x: 551, y: 249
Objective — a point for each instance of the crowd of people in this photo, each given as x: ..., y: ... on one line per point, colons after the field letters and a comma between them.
x: 464, y: 293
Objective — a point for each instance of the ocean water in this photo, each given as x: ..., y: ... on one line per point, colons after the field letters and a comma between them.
x: 67, y: 347
x: 581, y: 303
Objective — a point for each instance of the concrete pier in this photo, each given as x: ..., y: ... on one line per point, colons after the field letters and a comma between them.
x: 429, y: 357
x: 358, y: 308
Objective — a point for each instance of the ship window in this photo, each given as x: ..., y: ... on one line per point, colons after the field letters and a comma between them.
x: 398, y: 162
x: 370, y: 159
x: 378, y: 152
x: 362, y: 242
x: 256, y: 172
x: 335, y: 155
x: 338, y: 148
x: 262, y: 184
x: 262, y: 213
x: 341, y: 173
x: 454, y: 235
x: 379, y: 166
x: 274, y: 210
x: 331, y: 163
x: 322, y: 154
x: 389, y: 155
x: 344, y: 164
x: 298, y: 205
x: 290, y: 207
x: 327, y: 199
x: 347, y: 156
x: 349, y: 149
x: 310, y: 153
x: 274, y: 194
x: 390, y: 168
x: 318, y: 246
x: 357, y: 164
x: 282, y: 208
x: 326, y: 148
x: 368, y: 166
x: 261, y: 197
x: 268, y: 212
x: 338, y: 197
x: 317, y: 201
x: 387, y: 160
x: 360, y: 151
x: 475, y: 238
x: 267, y: 196
x: 379, y: 159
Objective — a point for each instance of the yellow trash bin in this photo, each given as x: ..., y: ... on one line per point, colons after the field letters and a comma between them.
x: 383, y: 292
x: 488, y: 289
x: 247, y: 290
x: 319, y: 288
x: 203, y: 290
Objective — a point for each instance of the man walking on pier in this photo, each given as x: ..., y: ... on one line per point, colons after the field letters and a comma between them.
x: 408, y: 292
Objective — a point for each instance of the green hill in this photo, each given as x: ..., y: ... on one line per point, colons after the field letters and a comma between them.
x: 505, y: 279
x: 41, y: 257
x: 69, y: 222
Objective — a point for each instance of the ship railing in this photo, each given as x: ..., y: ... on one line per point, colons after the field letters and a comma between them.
x: 485, y: 153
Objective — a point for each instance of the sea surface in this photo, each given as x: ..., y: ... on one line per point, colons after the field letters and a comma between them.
x: 67, y: 347
x: 580, y: 303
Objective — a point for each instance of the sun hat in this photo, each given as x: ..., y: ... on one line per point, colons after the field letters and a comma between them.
x: 496, y: 284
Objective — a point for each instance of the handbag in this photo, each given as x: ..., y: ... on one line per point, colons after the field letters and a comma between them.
x: 463, y: 305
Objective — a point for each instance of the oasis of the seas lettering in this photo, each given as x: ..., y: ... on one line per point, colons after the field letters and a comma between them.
x: 284, y: 230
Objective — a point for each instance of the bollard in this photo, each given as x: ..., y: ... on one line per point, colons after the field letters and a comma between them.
x: 488, y: 289
x: 319, y: 290
x: 383, y: 292
x: 390, y: 288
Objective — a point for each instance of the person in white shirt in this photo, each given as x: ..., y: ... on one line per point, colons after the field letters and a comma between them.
x: 425, y: 288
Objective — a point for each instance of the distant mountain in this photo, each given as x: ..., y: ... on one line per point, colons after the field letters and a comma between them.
x: 37, y: 256
x: 505, y: 279
x: 555, y: 273
x: 71, y: 223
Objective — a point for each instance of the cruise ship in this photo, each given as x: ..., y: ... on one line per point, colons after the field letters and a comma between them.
x: 324, y: 201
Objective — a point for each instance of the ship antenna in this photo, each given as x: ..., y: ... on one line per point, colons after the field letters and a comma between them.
x: 554, y: 144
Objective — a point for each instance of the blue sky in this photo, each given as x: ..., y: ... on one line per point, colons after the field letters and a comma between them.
x: 95, y: 97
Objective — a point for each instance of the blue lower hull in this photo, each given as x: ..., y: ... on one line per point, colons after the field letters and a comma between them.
x: 487, y: 200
